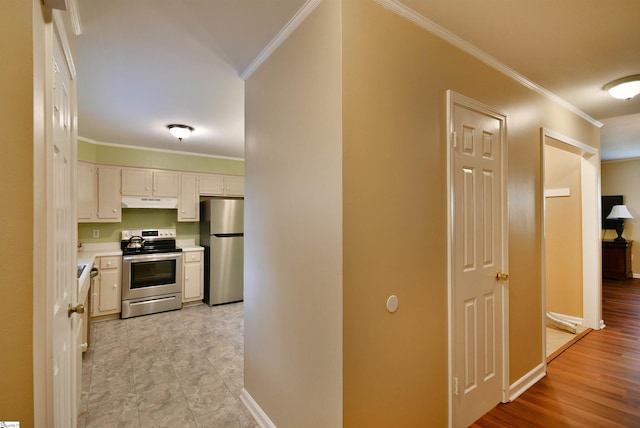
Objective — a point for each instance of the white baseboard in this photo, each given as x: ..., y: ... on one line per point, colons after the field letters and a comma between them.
x: 526, y: 381
x: 256, y: 411
x: 636, y: 275
x: 572, y: 319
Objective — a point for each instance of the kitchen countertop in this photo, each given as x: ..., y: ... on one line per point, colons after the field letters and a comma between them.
x: 87, y: 257
x: 188, y: 245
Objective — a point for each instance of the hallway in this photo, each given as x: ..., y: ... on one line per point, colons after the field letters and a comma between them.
x: 595, y: 383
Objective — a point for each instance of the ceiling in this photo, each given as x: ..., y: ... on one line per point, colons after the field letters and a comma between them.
x: 147, y: 63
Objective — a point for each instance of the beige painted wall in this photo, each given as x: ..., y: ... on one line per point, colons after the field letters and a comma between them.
x: 563, y: 230
x: 17, y: 27
x: 385, y: 210
x: 293, y: 228
x: 395, y: 84
x: 622, y: 178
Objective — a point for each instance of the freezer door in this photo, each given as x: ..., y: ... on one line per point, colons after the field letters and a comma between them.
x: 223, y: 216
x: 226, y: 271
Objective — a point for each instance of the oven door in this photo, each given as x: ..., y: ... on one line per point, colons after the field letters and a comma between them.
x: 148, y: 275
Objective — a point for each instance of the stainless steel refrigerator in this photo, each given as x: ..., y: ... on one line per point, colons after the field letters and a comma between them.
x: 222, y: 236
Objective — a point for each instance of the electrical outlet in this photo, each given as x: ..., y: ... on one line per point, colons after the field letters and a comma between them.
x: 96, y: 233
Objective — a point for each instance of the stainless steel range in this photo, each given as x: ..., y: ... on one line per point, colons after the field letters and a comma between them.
x: 151, y: 272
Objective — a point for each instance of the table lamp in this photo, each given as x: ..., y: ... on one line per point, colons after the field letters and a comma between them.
x: 619, y: 213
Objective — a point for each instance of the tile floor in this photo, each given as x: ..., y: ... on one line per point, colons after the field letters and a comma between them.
x: 174, y: 369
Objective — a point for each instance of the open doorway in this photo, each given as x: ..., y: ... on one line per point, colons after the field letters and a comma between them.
x: 572, y: 289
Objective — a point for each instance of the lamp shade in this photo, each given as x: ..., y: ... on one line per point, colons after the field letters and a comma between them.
x: 619, y: 211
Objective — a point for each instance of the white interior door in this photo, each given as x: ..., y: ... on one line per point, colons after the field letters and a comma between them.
x: 478, y: 255
x: 62, y: 213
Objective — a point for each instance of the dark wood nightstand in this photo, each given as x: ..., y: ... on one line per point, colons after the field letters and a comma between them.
x: 616, y: 259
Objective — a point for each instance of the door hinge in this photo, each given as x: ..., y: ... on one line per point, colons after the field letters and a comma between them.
x: 454, y: 136
x: 455, y: 386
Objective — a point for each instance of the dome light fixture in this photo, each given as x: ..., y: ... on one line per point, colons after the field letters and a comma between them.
x: 625, y: 88
x: 180, y: 131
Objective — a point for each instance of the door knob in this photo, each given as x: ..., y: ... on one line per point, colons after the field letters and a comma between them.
x: 502, y: 276
x: 78, y: 309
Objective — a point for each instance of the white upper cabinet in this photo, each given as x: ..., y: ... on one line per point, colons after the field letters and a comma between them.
x: 98, y: 193
x: 147, y: 182
x: 188, y: 202
x: 109, y: 199
x: 87, y: 192
x: 221, y: 185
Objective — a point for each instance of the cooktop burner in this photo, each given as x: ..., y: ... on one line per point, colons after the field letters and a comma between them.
x: 149, y: 241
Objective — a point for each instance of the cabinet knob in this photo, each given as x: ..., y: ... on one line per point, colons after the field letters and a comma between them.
x: 115, y: 285
x: 115, y: 210
x: 187, y: 278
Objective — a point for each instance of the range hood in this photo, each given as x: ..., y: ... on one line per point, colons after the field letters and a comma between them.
x: 149, y: 202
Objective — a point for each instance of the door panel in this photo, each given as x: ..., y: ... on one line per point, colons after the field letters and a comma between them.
x: 477, y: 254
x: 63, y: 216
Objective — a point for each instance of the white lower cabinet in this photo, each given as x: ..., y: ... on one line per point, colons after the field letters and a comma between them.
x: 105, y: 289
x: 193, y: 271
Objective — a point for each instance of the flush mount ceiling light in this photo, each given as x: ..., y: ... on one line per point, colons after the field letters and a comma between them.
x: 625, y: 88
x: 180, y: 131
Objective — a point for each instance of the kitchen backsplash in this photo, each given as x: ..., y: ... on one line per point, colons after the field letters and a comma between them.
x: 138, y: 219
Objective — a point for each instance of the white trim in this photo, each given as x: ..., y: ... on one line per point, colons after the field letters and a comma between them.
x: 150, y: 149
x: 64, y: 41
x: 526, y: 381
x: 570, y: 141
x: 256, y: 411
x: 74, y: 12
x: 591, y: 232
x: 636, y: 275
x: 286, y: 31
x: 413, y: 16
x: 454, y: 98
x: 621, y: 160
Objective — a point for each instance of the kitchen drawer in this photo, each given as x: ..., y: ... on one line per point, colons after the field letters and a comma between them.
x: 110, y: 262
x: 192, y: 256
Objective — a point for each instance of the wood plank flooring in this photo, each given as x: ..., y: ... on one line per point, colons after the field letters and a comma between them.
x: 595, y: 383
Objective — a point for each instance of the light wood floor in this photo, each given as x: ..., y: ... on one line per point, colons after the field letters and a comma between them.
x: 594, y: 383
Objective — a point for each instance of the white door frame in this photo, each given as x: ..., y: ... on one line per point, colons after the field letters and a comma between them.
x: 454, y: 98
x: 591, y: 240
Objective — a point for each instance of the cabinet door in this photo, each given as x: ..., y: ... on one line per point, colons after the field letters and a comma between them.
x: 165, y: 184
x: 109, y: 293
x: 87, y: 201
x: 136, y: 182
x: 109, y: 200
x: 211, y: 185
x: 188, y: 208
x: 192, y: 281
x: 233, y: 185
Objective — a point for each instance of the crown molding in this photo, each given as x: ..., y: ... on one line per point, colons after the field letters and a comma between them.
x: 411, y: 15
x: 286, y: 31
x: 150, y: 149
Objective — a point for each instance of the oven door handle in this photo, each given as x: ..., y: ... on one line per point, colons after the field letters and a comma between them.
x: 146, y: 302
x: 152, y: 257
